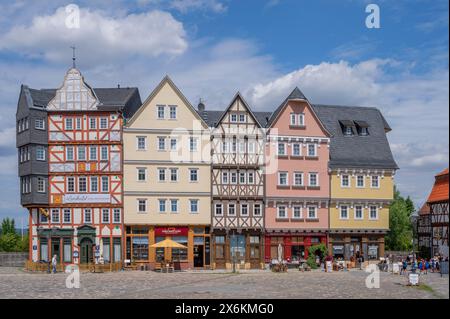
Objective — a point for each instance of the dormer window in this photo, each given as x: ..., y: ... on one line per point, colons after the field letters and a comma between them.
x: 364, y: 131
x: 347, y: 127
x: 362, y: 127
x: 234, y: 118
x: 348, y: 131
x: 297, y: 119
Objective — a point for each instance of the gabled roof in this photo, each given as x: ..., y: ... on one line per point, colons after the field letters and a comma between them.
x: 161, y: 84
x: 424, y: 210
x: 370, y: 151
x: 239, y: 96
x: 296, y: 94
x: 440, y: 189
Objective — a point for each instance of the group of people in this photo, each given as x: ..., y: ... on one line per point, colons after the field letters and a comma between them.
x: 422, y: 265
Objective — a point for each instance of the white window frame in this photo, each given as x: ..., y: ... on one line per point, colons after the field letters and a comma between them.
x: 242, y: 118
x: 279, y: 178
x: 215, y: 209
x: 64, y: 216
x: 301, y: 119
x: 193, y: 144
x: 108, y: 220
x: 372, y: 179
x: 300, y: 207
x: 160, y: 170
x: 172, y: 201
x: 285, y: 212
x: 308, y: 211
x: 138, y: 171
x: 102, y: 188
x: 161, y: 201
x: 158, y: 114
x: 79, y: 183
x: 233, y: 118
x: 317, y: 179
x: 362, y: 212
x: 284, y: 148
x: 81, y: 158
x: 234, y: 209
x: 191, y: 170
x: 104, y: 156
x: 138, y: 145
x: 254, y: 210
x: 225, y: 178
x: 138, y: 205
x: 251, y: 178
x: 74, y: 184
x: 85, y: 211
x: 95, y: 157
x: 114, y: 211
x: 294, y: 179
x: 42, y: 181
x: 242, y: 178
x: 40, y: 148
x: 173, y: 146
x: 68, y: 120
x: 370, y: 212
x: 92, y: 123
x: 299, y: 149
x: 102, y: 121
x: 163, y: 140
x: 172, y: 108
x: 235, y: 174
x: 315, y: 149
x: 340, y: 212
x: 293, y: 119
x: 55, y: 210
x: 39, y: 124
x: 242, y: 209
x: 196, y: 201
x: 78, y: 123
x: 363, y: 179
x: 348, y: 180
x: 93, y: 190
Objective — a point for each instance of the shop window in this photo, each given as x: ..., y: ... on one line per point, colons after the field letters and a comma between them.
x: 199, y: 230
x: 117, y: 249
x: 254, y: 252
x: 296, y: 239
x: 44, y: 249
x: 159, y: 252
x: 106, y: 252
x: 254, y: 239
x: 140, y: 248
x: 276, y: 240
x: 67, y: 250
x: 180, y: 254
x: 220, y: 239
x: 297, y: 252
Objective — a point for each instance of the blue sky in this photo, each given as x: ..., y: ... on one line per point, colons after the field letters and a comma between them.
x: 212, y: 48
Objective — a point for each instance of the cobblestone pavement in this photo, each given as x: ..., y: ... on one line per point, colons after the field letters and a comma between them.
x: 16, y: 283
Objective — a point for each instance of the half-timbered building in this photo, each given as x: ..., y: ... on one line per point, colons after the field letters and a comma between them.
x: 237, y: 173
x: 423, y: 231
x: 83, y: 216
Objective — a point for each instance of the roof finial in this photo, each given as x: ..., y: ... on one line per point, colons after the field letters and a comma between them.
x: 73, y: 56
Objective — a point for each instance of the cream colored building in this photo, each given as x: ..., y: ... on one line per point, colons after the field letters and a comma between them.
x: 167, y: 174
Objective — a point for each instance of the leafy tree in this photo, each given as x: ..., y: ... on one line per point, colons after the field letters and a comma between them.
x: 320, y: 250
x: 8, y: 226
x: 400, y: 234
x: 8, y: 242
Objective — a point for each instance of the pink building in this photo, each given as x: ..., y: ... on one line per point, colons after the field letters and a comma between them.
x: 297, y: 181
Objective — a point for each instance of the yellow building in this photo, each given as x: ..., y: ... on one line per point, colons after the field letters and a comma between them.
x: 167, y: 190
x: 361, y: 170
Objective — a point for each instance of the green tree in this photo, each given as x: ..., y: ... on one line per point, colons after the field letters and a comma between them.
x: 319, y: 249
x: 8, y: 226
x: 9, y: 242
x: 400, y: 232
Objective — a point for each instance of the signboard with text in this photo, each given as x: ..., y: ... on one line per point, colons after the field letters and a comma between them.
x: 86, y: 198
x: 171, y: 231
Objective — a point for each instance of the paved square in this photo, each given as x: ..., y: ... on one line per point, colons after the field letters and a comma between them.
x: 15, y: 283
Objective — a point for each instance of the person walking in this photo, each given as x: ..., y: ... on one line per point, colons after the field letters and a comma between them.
x: 54, y: 263
x: 404, y: 266
x: 427, y: 266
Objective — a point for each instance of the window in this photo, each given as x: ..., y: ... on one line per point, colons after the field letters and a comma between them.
x: 234, y: 118
x: 312, y: 212
x: 106, y: 249
x: 242, y: 176
x: 297, y: 212
x: 293, y: 119
x: 81, y: 153
x: 281, y: 212
x: 174, y: 205
x: 70, y: 184
x: 67, y: 250
x: 358, y: 212
x: 162, y: 174
x: 251, y: 147
x: 173, y: 112
x: 348, y: 131
x: 69, y: 124
x: 78, y: 123
x: 345, y: 180
x: 233, y: 146
x: 251, y: 178
x: 87, y: 216
x: 141, y: 174
x: 92, y: 123
x: 193, y: 175
x: 105, y: 184
x: 257, y: 210
x: 162, y: 205
x: 233, y: 178
x: 312, y: 150
x: 282, y: 179
x: 40, y: 153
x: 103, y: 123
x: 41, y: 185
x: 69, y: 153
x: 173, y: 144
x: 242, y: 118
x: 105, y: 215
x: 344, y: 212
x: 193, y: 144
x: 281, y: 149
x: 375, y: 182
x: 298, y: 179
x: 231, y: 209
x: 161, y: 143
x: 67, y: 216
x: 161, y: 115
x: 313, y: 179
x: 94, y: 184
x: 218, y: 209
x: 82, y: 184
x: 301, y: 119
x: 225, y: 148
x: 142, y: 205
x: 360, y: 181
x: 373, y: 212
x: 241, y: 147
x: 141, y: 143
x: 224, y: 177
x: 173, y: 174
x: 104, y: 153
x: 244, y: 209
x: 93, y: 153
x: 364, y: 131
x: 43, y: 218
x: 194, y: 206
x: 116, y: 215
x: 296, y: 149
x: 39, y: 124
x: 55, y: 216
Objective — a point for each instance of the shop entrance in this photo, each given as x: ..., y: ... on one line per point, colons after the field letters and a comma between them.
x: 86, y: 250
x: 198, y: 256
x: 237, y: 248
x: 56, y: 248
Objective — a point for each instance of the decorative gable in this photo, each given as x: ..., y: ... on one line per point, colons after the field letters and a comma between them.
x: 74, y: 94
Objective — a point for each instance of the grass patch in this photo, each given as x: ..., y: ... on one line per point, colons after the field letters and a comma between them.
x: 425, y: 288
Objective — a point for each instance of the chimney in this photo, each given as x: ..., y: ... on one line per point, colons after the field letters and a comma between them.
x: 201, y: 106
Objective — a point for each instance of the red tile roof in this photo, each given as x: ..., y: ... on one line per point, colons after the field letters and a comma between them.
x: 425, y: 210
x: 440, y: 189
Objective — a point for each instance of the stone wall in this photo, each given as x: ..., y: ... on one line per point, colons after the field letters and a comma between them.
x: 13, y: 259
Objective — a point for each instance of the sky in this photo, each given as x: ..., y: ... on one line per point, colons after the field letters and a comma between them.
x: 262, y: 48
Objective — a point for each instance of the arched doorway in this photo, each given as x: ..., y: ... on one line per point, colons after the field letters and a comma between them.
x: 86, y: 253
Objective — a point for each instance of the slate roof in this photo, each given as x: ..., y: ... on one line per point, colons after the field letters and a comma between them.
x: 371, y: 151
x: 296, y: 94
x: 127, y: 100
x: 213, y: 117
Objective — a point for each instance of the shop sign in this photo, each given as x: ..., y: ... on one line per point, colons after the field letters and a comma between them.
x: 75, y: 254
x: 171, y: 231
x: 34, y: 247
x: 414, y: 279
x: 86, y: 198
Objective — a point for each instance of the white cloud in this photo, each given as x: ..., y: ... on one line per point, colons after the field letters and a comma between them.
x: 7, y: 137
x: 188, y: 5
x: 100, y: 38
